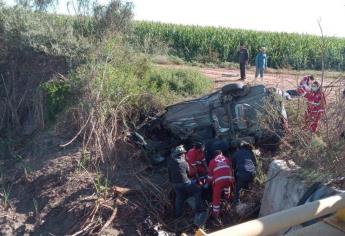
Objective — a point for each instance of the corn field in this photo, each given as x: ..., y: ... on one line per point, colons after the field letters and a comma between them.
x: 212, y: 44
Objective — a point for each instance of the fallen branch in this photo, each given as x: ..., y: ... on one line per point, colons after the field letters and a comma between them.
x: 79, y: 132
x: 109, y: 221
x: 84, y: 230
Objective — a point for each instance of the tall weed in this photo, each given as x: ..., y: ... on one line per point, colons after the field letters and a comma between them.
x: 119, y: 88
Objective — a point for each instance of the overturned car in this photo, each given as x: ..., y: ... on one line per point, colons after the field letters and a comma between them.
x: 236, y: 112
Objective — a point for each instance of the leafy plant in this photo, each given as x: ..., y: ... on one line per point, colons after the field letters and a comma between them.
x: 214, y: 45
x: 58, y: 95
x: 5, y: 193
x: 101, y: 185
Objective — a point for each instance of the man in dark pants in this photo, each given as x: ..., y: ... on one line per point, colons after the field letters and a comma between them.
x: 245, y: 167
x: 244, y: 57
x: 178, y: 176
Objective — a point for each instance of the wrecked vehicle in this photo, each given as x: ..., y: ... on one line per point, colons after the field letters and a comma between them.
x: 235, y: 112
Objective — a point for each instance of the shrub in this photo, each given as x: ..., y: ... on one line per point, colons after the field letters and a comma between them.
x: 58, y: 96
x: 183, y: 82
x: 119, y: 88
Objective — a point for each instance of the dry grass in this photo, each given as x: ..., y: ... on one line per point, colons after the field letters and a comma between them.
x: 323, y: 151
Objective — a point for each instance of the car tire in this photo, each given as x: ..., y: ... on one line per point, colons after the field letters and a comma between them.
x: 231, y: 88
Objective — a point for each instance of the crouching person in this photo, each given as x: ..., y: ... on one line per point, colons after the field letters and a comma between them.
x: 245, y: 167
x: 195, y: 157
x: 178, y: 176
x: 220, y: 175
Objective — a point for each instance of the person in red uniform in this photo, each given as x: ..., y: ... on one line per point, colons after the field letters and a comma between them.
x: 221, y: 177
x: 305, y: 84
x: 316, y: 106
x: 196, y: 161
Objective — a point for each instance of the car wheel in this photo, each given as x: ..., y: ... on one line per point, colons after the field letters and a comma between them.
x: 231, y: 88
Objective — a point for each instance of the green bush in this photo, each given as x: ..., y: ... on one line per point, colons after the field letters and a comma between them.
x: 118, y: 89
x: 125, y: 77
x: 58, y: 95
x: 181, y: 82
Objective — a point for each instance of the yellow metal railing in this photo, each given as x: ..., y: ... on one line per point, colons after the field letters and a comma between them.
x: 276, y: 222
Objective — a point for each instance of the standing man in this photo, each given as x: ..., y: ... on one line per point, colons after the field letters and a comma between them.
x: 244, y: 57
x: 245, y: 167
x: 178, y: 176
x: 196, y: 160
x: 316, y: 106
x: 220, y: 175
x: 261, y: 63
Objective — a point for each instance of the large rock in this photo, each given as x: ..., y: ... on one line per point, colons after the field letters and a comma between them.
x: 284, y: 188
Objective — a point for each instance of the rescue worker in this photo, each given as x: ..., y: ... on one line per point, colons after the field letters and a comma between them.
x: 305, y: 84
x: 220, y: 176
x: 178, y: 176
x: 245, y: 167
x: 316, y: 106
x: 196, y: 160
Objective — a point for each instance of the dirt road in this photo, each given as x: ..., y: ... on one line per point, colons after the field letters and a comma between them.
x: 284, y: 79
x: 333, y: 85
x: 271, y: 79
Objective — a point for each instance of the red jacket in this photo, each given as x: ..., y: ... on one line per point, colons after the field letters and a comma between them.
x: 196, y: 159
x: 220, y: 169
x: 316, y: 102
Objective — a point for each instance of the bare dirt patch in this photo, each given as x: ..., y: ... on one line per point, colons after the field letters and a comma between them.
x: 281, y: 80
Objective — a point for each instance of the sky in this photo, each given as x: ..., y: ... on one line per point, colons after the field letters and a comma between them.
x: 298, y: 16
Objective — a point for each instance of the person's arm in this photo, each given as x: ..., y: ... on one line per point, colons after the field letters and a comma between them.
x: 257, y: 60
x: 187, y: 167
x: 302, y: 91
x: 247, y: 56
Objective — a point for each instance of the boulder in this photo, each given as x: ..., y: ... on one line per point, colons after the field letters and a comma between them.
x: 284, y: 188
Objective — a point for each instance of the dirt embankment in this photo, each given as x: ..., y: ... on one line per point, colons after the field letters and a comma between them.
x: 50, y: 192
x: 44, y: 189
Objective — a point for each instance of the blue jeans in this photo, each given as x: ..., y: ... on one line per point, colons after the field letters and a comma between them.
x: 183, y: 191
x: 259, y: 71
